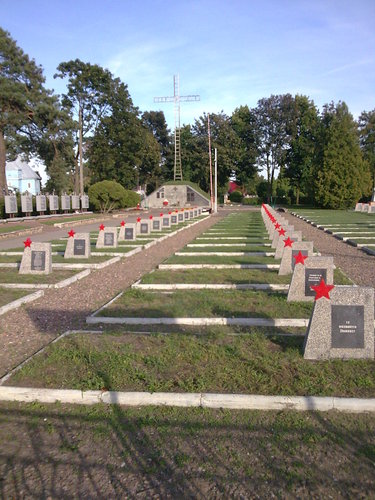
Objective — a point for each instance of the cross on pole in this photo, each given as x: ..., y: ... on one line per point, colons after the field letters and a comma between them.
x: 177, y: 98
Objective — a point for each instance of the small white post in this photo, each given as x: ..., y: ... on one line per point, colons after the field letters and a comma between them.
x: 215, y: 180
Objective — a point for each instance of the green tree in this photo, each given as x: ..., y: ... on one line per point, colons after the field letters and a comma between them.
x: 301, y: 153
x: 244, y: 123
x: 366, y: 125
x: 24, y: 102
x: 341, y: 176
x: 89, y: 87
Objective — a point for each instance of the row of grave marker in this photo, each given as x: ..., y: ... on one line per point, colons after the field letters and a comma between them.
x: 342, y: 321
x: 37, y: 257
x: 365, y: 207
x: 66, y: 202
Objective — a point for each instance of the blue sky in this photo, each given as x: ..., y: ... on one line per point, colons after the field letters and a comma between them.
x: 230, y: 52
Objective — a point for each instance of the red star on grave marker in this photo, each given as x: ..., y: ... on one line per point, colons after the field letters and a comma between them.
x: 27, y: 243
x: 139, y: 219
x: 71, y: 233
x: 300, y: 258
x: 281, y: 232
x: 277, y: 225
x: 288, y: 242
x: 151, y: 217
x: 161, y: 214
x: 169, y: 213
x: 101, y: 227
x: 122, y: 223
x: 322, y: 290
x: 176, y: 211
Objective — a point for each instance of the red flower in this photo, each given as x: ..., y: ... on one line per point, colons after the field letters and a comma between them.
x: 322, y: 290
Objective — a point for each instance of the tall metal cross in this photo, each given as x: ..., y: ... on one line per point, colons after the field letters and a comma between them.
x: 177, y: 98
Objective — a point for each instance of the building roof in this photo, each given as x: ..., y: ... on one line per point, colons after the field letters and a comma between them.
x: 19, y: 164
x: 193, y: 185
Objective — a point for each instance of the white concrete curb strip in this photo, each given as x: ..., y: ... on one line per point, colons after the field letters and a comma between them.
x: 19, y: 302
x: 204, y: 400
x: 216, y: 286
x: 218, y: 266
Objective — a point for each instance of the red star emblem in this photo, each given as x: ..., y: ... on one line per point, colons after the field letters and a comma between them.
x: 27, y: 243
x: 151, y: 217
x: 122, y: 223
x: 277, y: 225
x: 139, y: 219
x: 272, y: 218
x: 176, y: 211
x: 288, y: 242
x: 161, y: 215
x: 71, y: 233
x: 322, y: 290
x: 300, y: 258
x: 101, y: 227
x: 281, y: 232
x: 169, y: 213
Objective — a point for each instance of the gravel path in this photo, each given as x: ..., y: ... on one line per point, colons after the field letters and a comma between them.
x: 355, y: 263
x: 26, y: 330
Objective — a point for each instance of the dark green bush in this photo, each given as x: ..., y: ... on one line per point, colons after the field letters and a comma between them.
x: 251, y: 201
x: 236, y: 196
x: 109, y: 195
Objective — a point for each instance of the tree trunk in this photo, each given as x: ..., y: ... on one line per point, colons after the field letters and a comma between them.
x: 297, y: 195
x: 3, y: 179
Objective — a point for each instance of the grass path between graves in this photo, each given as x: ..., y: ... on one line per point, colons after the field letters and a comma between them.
x: 9, y: 295
x: 112, y: 452
x: 216, y: 362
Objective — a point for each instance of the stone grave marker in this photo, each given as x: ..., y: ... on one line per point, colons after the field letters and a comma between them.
x: 365, y: 207
x: 78, y: 246
x: 36, y: 258
x: 53, y: 201
x: 358, y: 207
x: 166, y: 221
x: 41, y: 203
x: 186, y: 215
x: 199, y: 211
x: 127, y: 231
x: 195, y: 213
x: 156, y: 224
x: 308, y: 274
x: 294, y: 236
x: 11, y: 207
x: 27, y: 204
x: 174, y: 218
x: 107, y: 237
x: 84, y: 202
x: 65, y: 202
x: 191, y: 214
x: 180, y: 217
x: 291, y: 254
x: 144, y: 227
x: 341, y: 324
x: 75, y: 202
x: 121, y: 233
x: 280, y: 232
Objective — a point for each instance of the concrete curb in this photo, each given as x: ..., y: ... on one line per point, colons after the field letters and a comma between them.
x: 261, y: 322
x: 225, y: 254
x: 218, y: 266
x: 23, y: 232
x: 19, y: 302
x: 59, y: 284
x: 185, y: 400
x: 218, y: 286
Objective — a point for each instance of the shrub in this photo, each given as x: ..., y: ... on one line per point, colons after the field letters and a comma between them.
x: 251, y: 201
x: 236, y: 196
x: 109, y: 195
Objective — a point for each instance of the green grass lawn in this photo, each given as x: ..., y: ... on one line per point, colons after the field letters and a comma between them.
x: 6, y: 228
x: 9, y: 295
x: 250, y: 364
x: 206, y: 303
x: 247, y: 248
x: 13, y: 276
x: 218, y: 259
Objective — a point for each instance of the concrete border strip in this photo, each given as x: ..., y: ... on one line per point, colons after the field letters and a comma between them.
x: 19, y: 302
x: 218, y: 266
x: 210, y: 286
x: 204, y: 400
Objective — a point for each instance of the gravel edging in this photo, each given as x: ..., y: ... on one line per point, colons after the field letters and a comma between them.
x: 28, y: 329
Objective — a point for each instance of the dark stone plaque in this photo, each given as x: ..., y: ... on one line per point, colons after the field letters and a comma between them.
x: 129, y: 233
x: 38, y: 260
x: 295, y: 253
x: 156, y: 224
x: 109, y: 239
x: 180, y: 217
x: 174, y: 219
x: 144, y: 228
x: 312, y: 278
x: 79, y: 247
x: 187, y: 215
x: 348, y: 327
x: 166, y: 221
